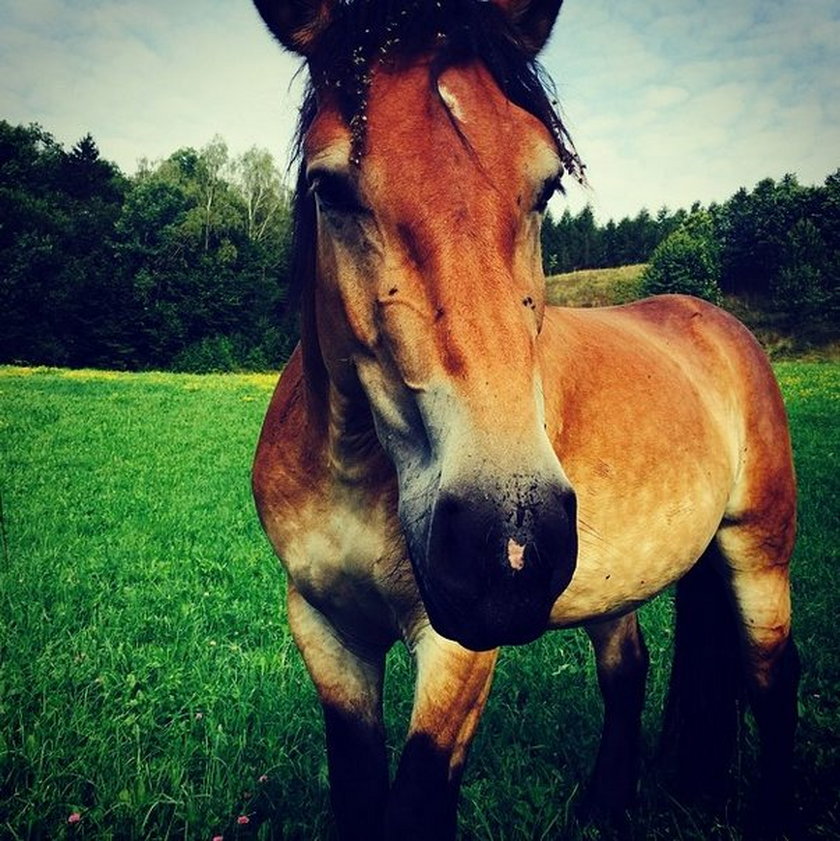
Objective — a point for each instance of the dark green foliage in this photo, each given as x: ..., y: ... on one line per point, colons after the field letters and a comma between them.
x: 781, y: 243
x: 58, y: 211
x: 687, y: 262
x: 571, y: 243
x: 182, y: 265
x: 778, y: 245
x: 803, y: 285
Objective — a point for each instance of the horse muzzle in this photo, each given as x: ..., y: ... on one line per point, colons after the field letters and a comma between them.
x: 494, y: 564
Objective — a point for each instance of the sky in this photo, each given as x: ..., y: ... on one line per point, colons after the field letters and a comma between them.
x: 669, y: 101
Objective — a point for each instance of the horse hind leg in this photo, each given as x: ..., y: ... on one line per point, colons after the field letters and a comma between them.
x: 757, y: 562
x: 622, y: 664
x: 733, y: 642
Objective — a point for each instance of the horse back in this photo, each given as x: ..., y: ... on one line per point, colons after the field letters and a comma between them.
x: 668, y: 420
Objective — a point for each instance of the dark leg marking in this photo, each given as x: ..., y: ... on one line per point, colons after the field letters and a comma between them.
x: 623, y: 661
x: 358, y: 765
x: 424, y: 799
x: 776, y: 714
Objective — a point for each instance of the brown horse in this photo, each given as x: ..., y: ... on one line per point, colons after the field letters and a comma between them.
x: 448, y: 461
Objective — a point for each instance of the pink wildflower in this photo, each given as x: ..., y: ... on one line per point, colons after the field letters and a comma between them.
x: 75, y: 817
x: 263, y: 778
x: 218, y: 838
x: 242, y: 820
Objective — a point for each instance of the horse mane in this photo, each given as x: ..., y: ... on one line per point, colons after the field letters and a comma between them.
x: 363, y: 33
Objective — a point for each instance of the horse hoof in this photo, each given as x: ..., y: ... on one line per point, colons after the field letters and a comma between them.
x: 610, y: 814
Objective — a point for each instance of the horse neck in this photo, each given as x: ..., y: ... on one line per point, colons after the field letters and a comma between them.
x: 340, y: 419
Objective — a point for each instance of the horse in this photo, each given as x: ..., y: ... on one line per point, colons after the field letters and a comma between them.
x: 450, y: 462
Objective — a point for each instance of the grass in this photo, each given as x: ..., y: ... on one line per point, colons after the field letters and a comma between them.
x: 595, y: 287
x: 148, y: 683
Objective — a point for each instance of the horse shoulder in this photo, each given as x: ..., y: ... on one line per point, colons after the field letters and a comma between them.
x: 338, y: 541
x: 288, y: 463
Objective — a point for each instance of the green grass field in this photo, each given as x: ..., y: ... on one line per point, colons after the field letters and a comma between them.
x: 149, y: 687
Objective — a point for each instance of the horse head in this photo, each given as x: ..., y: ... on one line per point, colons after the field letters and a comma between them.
x: 426, y: 168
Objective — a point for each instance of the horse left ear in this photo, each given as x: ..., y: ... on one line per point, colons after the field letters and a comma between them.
x: 297, y: 24
x: 532, y: 20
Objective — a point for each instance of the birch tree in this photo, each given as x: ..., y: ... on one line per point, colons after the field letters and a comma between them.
x: 261, y: 188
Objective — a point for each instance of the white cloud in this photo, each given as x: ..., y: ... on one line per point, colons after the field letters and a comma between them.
x: 663, y: 96
x: 677, y: 101
x: 669, y: 101
x: 146, y: 80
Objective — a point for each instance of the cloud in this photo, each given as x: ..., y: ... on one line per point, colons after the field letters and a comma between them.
x: 668, y: 101
x: 676, y: 101
x: 663, y: 96
x: 146, y: 79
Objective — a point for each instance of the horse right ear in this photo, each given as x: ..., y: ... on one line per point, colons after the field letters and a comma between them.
x: 297, y: 24
x: 532, y: 20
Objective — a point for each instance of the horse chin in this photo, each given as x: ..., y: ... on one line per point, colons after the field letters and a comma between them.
x: 484, y: 636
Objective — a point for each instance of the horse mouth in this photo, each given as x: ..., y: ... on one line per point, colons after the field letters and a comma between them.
x: 490, y: 559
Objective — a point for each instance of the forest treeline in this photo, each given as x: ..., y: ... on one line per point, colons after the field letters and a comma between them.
x: 778, y: 244
x: 181, y: 265
x: 184, y: 265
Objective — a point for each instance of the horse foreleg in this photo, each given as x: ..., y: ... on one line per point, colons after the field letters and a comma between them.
x: 451, y: 689
x: 349, y: 684
x: 622, y: 664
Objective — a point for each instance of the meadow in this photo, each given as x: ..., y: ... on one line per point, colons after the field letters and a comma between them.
x: 149, y: 687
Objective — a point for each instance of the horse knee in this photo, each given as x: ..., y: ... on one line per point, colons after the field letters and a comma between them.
x: 629, y: 672
x: 769, y: 655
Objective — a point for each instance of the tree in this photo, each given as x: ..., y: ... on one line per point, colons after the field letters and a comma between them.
x: 261, y: 187
x: 58, y: 212
x: 186, y: 263
x: 206, y: 258
x: 800, y: 288
x: 687, y: 261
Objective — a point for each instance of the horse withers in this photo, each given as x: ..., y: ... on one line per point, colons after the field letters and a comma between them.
x: 448, y: 461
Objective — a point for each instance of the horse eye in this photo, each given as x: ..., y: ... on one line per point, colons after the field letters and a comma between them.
x: 549, y: 188
x: 334, y: 192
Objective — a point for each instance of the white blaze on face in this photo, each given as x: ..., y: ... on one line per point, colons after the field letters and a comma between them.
x: 451, y: 101
x: 516, y: 555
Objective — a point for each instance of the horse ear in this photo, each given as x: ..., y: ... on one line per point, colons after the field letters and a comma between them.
x: 532, y: 20
x: 297, y: 24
